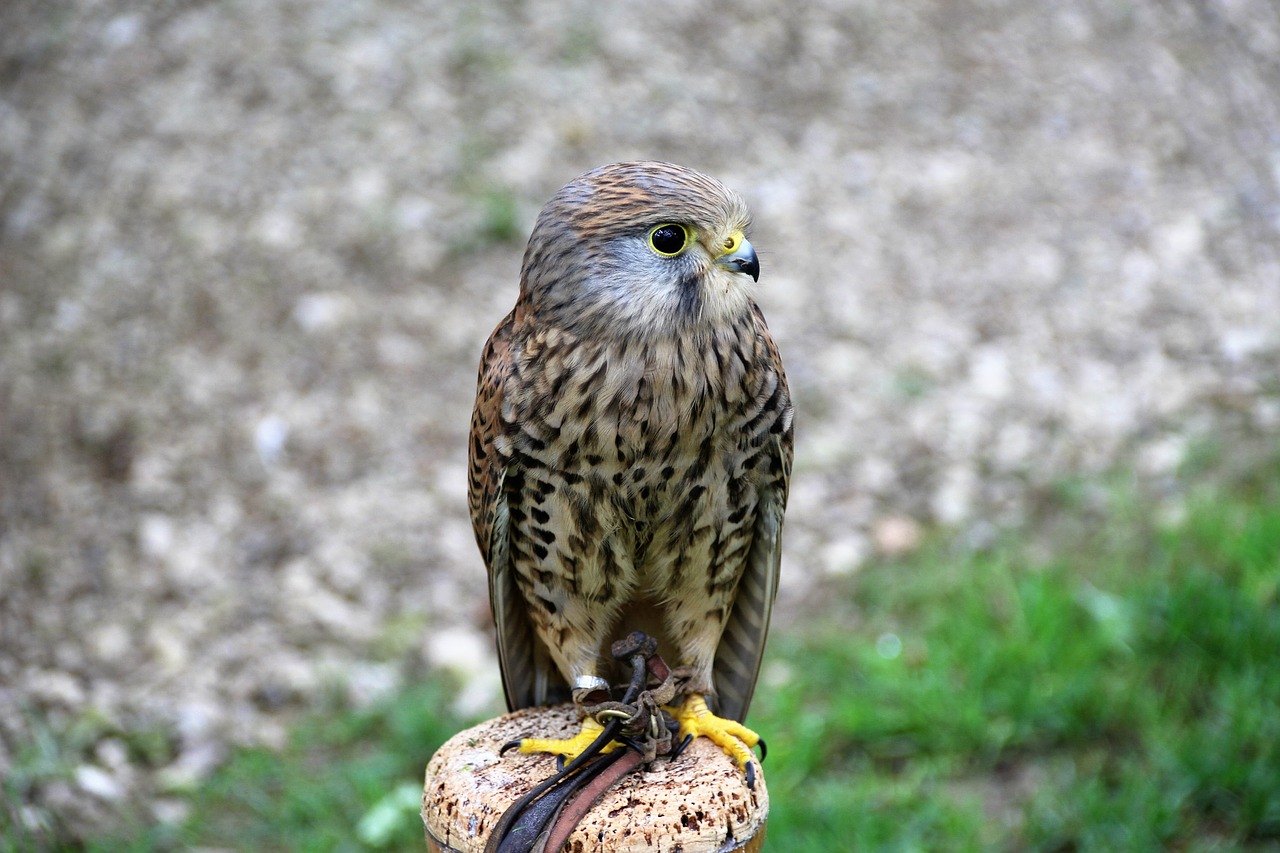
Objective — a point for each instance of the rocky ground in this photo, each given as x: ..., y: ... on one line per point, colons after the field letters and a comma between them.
x: 249, y: 252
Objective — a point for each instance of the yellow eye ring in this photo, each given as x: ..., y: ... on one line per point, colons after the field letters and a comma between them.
x: 669, y: 239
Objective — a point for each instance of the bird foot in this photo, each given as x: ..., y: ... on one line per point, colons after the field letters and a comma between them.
x: 696, y: 719
x: 568, y: 748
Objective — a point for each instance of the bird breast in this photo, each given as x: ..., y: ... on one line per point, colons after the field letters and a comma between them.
x: 629, y: 413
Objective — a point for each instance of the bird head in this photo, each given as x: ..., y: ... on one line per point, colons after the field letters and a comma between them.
x: 640, y: 248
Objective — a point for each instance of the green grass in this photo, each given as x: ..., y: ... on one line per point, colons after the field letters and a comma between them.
x: 1118, y: 692
x: 1122, y: 695
x: 348, y: 780
x: 336, y: 772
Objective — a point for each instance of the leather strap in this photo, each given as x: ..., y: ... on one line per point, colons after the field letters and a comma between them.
x: 576, y: 809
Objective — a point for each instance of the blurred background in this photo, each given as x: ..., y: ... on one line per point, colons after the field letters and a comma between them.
x: 249, y: 252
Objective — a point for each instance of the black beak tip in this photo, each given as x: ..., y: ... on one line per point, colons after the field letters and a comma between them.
x: 750, y: 266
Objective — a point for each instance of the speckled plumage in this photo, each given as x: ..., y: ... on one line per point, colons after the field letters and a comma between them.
x: 631, y: 441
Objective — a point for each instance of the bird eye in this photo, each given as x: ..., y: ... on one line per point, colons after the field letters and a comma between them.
x: 669, y: 239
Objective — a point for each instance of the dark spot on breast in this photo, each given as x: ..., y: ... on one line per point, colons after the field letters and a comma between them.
x: 706, y: 449
x: 597, y: 487
x: 557, y: 387
x: 540, y: 515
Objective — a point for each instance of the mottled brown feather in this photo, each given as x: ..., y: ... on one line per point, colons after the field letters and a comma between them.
x: 631, y: 442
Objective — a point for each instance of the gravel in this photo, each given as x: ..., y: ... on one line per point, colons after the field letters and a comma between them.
x: 249, y: 253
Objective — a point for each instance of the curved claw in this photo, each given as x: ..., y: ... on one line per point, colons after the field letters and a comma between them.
x: 675, y: 753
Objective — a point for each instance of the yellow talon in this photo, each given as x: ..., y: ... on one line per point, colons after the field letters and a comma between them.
x: 572, y: 747
x: 696, y: 720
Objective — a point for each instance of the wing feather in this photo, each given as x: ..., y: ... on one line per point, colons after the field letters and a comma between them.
x: 741, y: 649
x: 528, y: 675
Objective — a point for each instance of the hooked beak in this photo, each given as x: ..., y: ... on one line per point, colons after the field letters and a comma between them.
x: 741, y: 259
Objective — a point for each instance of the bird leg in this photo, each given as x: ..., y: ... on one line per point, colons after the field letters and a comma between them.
x: 695, y: 719
x: 569, y: 748
x: 639, y: 713
x: 589, y: 690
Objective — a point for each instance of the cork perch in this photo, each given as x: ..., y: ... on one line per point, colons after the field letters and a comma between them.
x: 698, y: 803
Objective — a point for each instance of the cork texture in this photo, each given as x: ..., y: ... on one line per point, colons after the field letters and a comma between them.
x: 698, y: 802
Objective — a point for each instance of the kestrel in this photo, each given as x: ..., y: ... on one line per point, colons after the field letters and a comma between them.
x: 631, y: 447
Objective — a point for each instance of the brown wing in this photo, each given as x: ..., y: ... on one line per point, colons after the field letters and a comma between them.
x: 528, y: 675
x: 737, y: 664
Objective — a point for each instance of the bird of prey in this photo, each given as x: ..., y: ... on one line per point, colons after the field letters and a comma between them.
x: 631, y: 447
